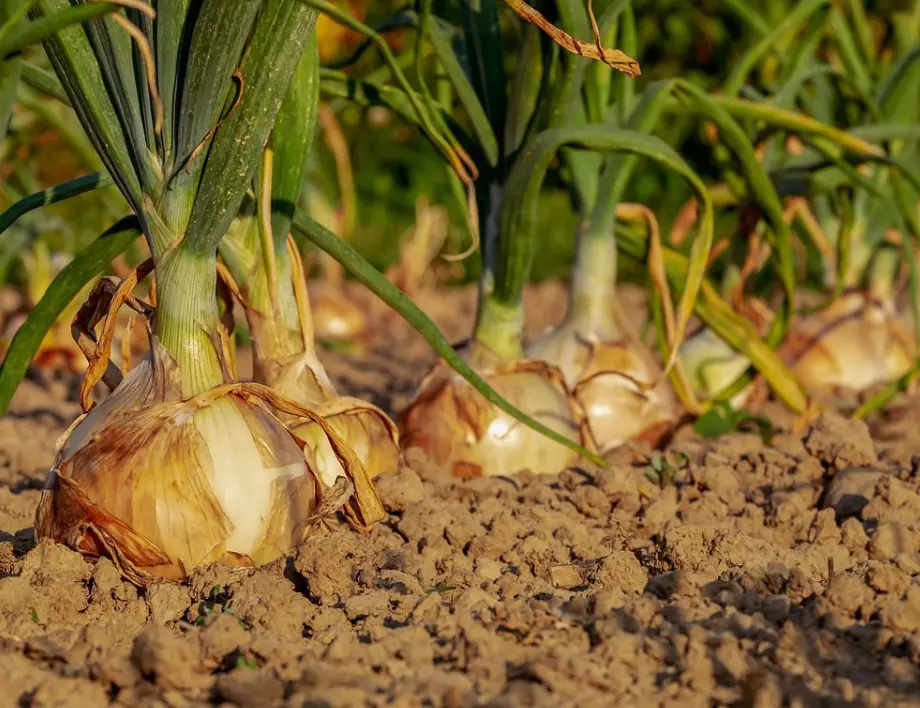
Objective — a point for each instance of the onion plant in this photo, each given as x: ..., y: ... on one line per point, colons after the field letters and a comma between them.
x: 520, y: 124
x: 612, y: 374
x: 180, y: 464
x: 854, y: 340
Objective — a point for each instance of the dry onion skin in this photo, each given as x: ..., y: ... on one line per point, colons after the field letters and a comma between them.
x: 459, y: 432
x: 615, y: 382
x: 369, y: 432
x: 854, y: 344
x: 161, y: 484
x: 302, y: 377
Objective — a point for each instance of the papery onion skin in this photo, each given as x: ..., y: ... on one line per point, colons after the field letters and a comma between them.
x: 619, y: 402
x: 854, y: 344
x: 611, y: 382
x: 162, y: 487
x: 460, y: 432
x: 367, y: 429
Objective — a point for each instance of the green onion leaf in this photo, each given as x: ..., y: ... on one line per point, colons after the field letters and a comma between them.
x: 269, y: 63
x: 292, y: 139
x: 53, y: 195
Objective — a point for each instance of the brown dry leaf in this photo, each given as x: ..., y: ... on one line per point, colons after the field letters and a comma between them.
x: 614, y: 58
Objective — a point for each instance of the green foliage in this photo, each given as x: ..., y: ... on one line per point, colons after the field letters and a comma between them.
x: 722, y: 419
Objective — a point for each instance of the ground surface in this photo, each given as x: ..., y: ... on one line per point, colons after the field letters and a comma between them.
x: 766, y: 575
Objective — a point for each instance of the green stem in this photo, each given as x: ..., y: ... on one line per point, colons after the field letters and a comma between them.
x: 499, y: 328
x: 594, y: 282
x: 186, y: 317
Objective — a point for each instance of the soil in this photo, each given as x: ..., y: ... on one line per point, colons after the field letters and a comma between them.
x: 761, y: 575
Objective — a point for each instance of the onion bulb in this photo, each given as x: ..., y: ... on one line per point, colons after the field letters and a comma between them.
x: 369, y: 432
x: 301, y: 377
x: 855, y: 343
x: 162, y: 484
x: 616, y: 382
x: 335, y: 316
x: 460, y: 432
x: 712, y: 365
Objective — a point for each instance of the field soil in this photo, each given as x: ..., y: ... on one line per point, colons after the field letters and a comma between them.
x: 763, y: 575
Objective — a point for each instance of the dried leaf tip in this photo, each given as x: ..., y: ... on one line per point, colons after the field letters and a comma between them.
x: 614, y: 58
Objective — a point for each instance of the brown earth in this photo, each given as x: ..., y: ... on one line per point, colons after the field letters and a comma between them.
x: 765, y: 575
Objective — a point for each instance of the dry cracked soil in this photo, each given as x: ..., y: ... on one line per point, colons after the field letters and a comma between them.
x: 762, y: 575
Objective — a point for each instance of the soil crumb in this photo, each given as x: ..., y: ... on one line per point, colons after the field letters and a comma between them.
x: 759, y: 575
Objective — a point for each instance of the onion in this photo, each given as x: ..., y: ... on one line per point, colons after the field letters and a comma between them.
x: 712, y: 365
x: 161, y: 484
x: 855, y: 343
x: 368, y: 430
x: 616, y: 383
x: 461, y: 433
x: 301, y: 377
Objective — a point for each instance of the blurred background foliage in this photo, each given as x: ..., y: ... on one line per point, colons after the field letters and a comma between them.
x: 392, y: 165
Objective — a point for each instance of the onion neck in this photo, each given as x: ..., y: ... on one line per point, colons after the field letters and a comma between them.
x: 499, y: 328
x: 593, y: 290
x: 275, y: 335
x: 187, y: 317
x: 882, y: 275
